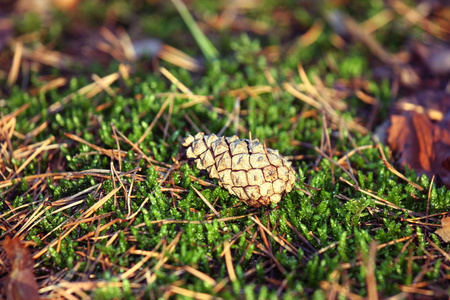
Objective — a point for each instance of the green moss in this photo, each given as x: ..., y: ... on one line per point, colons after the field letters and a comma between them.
x: 28, y: 23
x: 336, y: 219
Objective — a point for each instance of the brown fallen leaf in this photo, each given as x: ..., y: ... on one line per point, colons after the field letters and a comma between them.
x: 444, y: 232
x: 420, y: 135
x: 21, y: 281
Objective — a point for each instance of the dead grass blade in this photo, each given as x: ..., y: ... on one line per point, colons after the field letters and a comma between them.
x: 107, y: 152
x: 433, y: 114
x: 85, y: 215
x: 290, y: 248
x: 333, y: 162
x: 311, y: 35
x: 50, y: 85
x: 36, y: 153
x: 14, y: 71
x: 229, y: 262
x: 352, y: 152
x: 415, y: 290
x: 321, y: 98
x: 333, y: 288
x: 66, y: 175
x: 206, y: 202
x: 200, y: 275
x: 158, y: 115
x: 97, y: 79
x: 86, y: 286
x: 378, y: 199
x: 179, y: 58
x: 378, y: 20
x: 172, y: 289
x: 172, y: 221
x: 251, y: 91
x: 8, y: 117
x: 175, y: 81
x: 196, y: 99
x: 163, y: 258
x: 48, y: 57
x: 31, y: 221
x: 418, y: 16
x: 394, y: 171
x: 371, y: 281
x: 98, y: 229
x: 400, y: 240
x: 99, y: 203
x: 445, y: 254
x: 89, y: 90
x: 119, y: 46
x: 26, y: 151
x: 33, y: 133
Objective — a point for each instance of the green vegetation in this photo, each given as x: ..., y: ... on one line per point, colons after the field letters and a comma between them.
x: 153, y: 237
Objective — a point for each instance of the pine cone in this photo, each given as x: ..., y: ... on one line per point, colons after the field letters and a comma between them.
x: 246, y: 168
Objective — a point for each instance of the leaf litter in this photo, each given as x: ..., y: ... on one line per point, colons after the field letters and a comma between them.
x: 326, y: 102
x: 21, y: 283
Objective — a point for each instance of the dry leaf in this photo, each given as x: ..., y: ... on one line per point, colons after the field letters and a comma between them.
x: 444, y: 232
x: 21, y: 281
x: 420, y: 137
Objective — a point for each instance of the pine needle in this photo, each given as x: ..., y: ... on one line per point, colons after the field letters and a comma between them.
x: 205, y: 45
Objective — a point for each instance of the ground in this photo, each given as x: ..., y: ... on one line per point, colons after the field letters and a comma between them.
x: 97, y: 96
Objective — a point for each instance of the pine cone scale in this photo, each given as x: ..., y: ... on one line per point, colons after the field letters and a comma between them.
x: 248, y: 170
